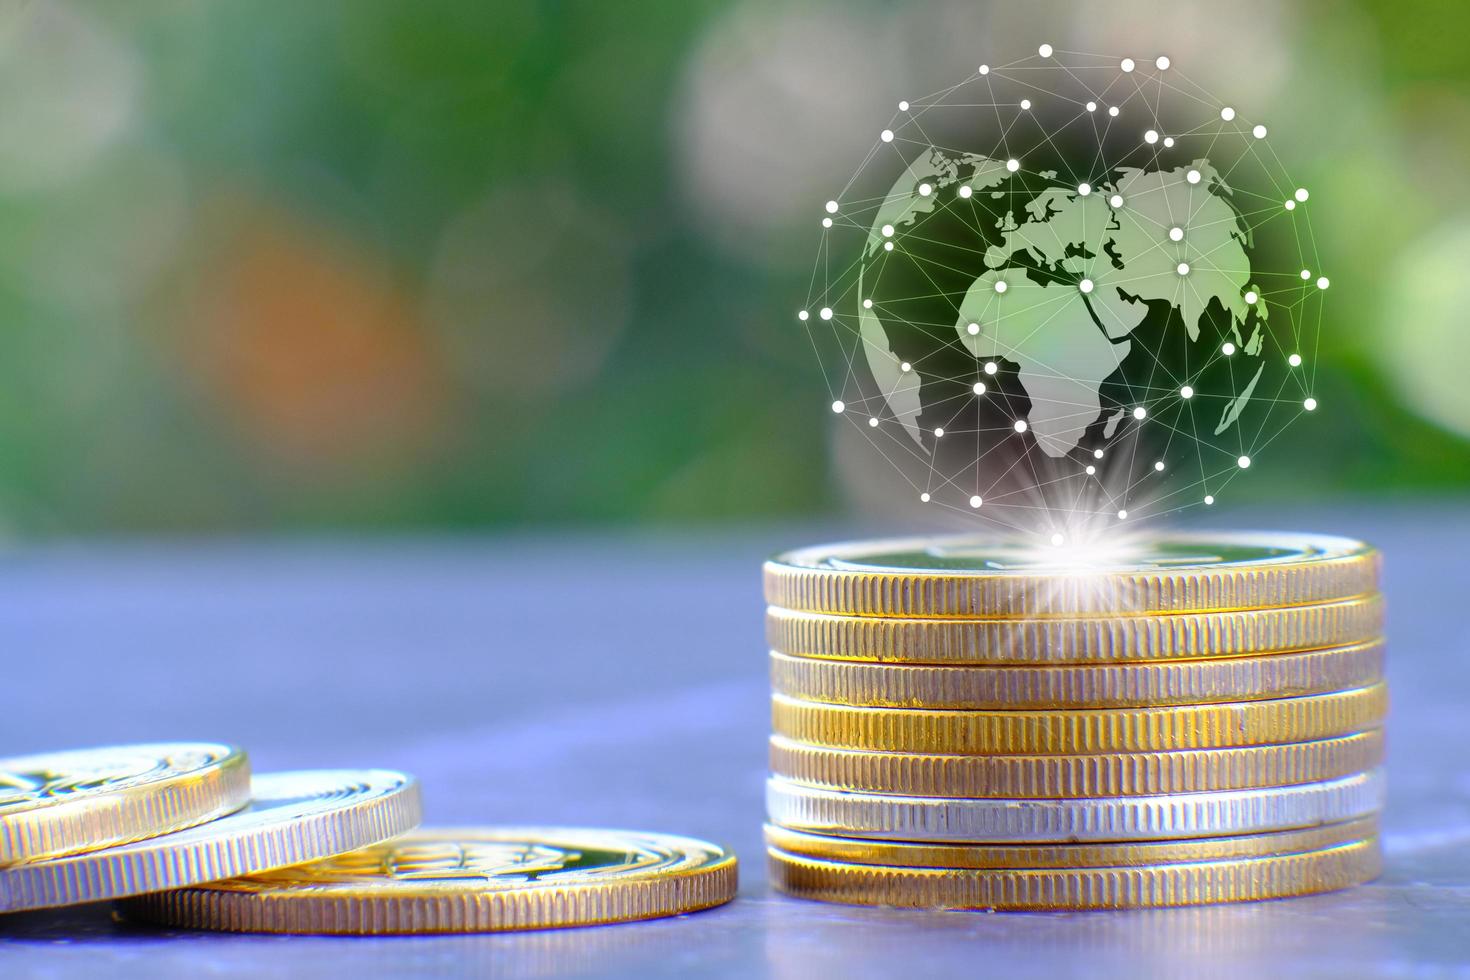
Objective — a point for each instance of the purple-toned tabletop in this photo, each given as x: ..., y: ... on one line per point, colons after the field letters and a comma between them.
x: 620, y: 680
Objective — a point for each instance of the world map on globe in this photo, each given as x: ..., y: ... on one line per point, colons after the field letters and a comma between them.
x: 1078, y: 320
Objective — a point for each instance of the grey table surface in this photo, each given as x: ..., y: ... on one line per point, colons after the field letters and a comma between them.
x: 620, y: 680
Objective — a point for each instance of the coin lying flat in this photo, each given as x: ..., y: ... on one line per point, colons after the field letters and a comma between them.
x: 1183, y: 726
x: 293, y: 817
x: 1281, y: 675
x: 895, y: 854
x: 61, y: 803
x: 466, y: 880
x: 985, y: 578
x: 1143, y: 886
x: 1130, y: 818
x: 1067, y: 776
x: 1075, y: 641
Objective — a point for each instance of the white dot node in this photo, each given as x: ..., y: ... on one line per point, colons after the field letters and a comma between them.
x: 1152, y: 136
x: 903, y: 107
x: 1092, y: 107
x: 831, y: 207
x: 1176, y: 234
x: 966, y: 190
x: 1091, y: 470
x: 1192, y: 176
x: 1122, y: 515
x: 887, y: 246
x: 1085, y: 285
x: 1294, y: 360
x: 985, y: 69
x: 972, y: 329
x: 1057, y: 539
x: 1258, y: 131
x: 1168, y: 141
x: 826, y: 222
x: 1025, y: 103
x: 925, y: 190
x: 1323, y: 282
x: 1013, y: 165
x: 1244, y: 462
x: 887, y: 231
x: 1084, y: 189
x: 1306, y: 274
x: 1182, y: 268
x: 826, y: 313
x: 1000, y: 286
x: 873, y: 423
x: 1227, y: 348
x: 1116, y: 200
x: 1290, y: 205
x: 803, y: 315
x: 1097, y: 454
x: 1127, y: 64
x: 976, y: 501
x: 1044, y: 50
x: 1310, y: 404
x: 1113, y: 111
x: 1159, y: 466
x: 979, y: 388
x: 905, y: 367
x: 1020, y: 425
x: 1227, y: 113
x: 839, y: 406
x: 991, y: 367
x: 1209, y: 499
x: 867, y: 304
x: 1140, y: 412
x: 1186, y: 392
x: 886, y: 136
x: 1251, y: 297
x: 939, y: 433
x: 1162, y: 62
x: 924, y: 497
x: 1301, y: 194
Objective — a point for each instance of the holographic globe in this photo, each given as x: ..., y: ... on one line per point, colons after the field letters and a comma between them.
x: 1067, y: 292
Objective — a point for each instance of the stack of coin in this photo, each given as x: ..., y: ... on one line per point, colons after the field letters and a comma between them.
x: 1176, y: 720
x: 189, y: 838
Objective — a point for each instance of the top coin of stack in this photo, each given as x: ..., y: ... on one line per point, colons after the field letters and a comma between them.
x: 1179, y: 719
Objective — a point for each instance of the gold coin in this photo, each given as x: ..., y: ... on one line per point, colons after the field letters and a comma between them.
x: 969, y: 577
x: 1077, y: 686
x: 1083, y: 730
x: 1066, y: 776
x: 471, y: 880
x: 895, y: 854
x: 1075, y: 641
x: 1143, y: 886
x: 82, y: 800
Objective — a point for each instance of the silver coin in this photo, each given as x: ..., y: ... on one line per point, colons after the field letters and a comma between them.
x: 293, y: 817
x: 910, y: 818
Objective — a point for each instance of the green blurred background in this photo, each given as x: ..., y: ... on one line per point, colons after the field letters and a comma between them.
x: 350, y: 265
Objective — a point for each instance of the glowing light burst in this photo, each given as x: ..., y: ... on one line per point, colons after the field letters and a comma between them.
x: 1067, y: 287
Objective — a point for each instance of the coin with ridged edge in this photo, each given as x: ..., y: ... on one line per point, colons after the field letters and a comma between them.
x: 902, y: 854
x: 986, y: 578
x: 1075, y: 641
x: 1063, y: 776
x: 1145, y: 886
x: 466, y: 880
x: 61, y: 803
x: 1080, y: 730
x: 1280, y: 675
x: 293, y: 817
x: 1127, y: 818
